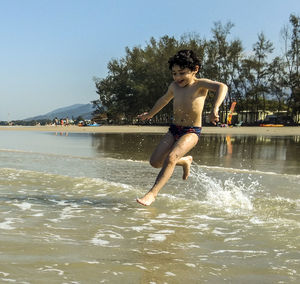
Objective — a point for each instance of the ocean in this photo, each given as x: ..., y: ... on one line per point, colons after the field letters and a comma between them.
x: 68, y: 212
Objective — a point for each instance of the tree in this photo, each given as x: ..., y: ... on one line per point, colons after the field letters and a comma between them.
x: 276, y: 81
x: 256, y: 74
x: 291, y: 37
x: 223, y: 60
x: 115, y: 90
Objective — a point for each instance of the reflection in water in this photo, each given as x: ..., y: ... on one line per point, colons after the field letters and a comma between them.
x: 264, y: 153
x: 61, y: 133
x: 126, y: 146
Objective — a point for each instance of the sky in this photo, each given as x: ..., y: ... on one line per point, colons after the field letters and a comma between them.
x: 50, y: 50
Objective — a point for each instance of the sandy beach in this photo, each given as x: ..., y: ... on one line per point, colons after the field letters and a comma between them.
x: 269, y: 131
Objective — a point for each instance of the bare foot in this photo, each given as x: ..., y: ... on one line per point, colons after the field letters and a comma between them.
x: 187, y: 167
x: 147, y: 199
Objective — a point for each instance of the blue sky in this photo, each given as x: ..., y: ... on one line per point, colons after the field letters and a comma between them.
x: 50, y: 50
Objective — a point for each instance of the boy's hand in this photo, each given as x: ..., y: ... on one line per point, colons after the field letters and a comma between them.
x: 214, y: 117
x: 144, y: 116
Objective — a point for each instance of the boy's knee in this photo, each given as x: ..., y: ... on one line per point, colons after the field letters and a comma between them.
x: 155, y: 163
x: 172, y: 158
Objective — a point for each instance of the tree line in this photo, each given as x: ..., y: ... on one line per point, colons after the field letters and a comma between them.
x: 257, y: 81
x: 43, y: 121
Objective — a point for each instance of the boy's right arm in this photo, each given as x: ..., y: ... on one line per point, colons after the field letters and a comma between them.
x: 160, y: 103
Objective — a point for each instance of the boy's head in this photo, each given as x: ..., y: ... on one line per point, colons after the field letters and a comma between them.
x: 185, y: 59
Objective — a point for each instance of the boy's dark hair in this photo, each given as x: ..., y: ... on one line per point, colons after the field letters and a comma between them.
x: 185, y: 59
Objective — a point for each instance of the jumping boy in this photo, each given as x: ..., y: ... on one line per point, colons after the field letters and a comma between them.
x: 189, y: 94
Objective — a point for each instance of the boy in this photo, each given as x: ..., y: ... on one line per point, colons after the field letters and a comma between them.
x: 189, y: 94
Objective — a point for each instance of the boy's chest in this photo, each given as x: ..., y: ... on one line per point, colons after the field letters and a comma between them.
x: 183, y: 96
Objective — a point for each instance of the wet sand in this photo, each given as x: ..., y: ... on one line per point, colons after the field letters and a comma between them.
x: 269, y: 131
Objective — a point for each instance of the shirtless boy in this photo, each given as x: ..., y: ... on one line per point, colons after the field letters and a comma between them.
x: 189, y: 94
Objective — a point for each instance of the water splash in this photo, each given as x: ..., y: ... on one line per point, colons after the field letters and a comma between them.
x: 226, y: 194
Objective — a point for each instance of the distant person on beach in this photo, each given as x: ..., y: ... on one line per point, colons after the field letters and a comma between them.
x: 189, y: 94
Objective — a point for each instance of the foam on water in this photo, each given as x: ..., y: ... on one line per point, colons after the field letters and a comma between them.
x: 105, y: 238
x: 6, y: 225
x: 23, y: 205
x: 222, y: 193
x: 228, y: 195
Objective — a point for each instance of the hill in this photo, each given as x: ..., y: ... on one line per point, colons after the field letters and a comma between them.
x: 84, y: 110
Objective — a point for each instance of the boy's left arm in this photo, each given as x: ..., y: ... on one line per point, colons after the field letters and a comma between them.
x: 221, y: 90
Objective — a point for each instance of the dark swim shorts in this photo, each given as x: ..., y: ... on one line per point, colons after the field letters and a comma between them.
x: 179, y: 131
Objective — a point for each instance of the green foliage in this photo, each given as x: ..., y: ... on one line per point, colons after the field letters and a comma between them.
x: 291, y: 36
x: 137, y: 80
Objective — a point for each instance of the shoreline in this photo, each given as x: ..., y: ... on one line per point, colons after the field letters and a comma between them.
x: 243, y: 130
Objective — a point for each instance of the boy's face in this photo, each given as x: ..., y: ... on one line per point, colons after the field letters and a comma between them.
x: 183, y: 76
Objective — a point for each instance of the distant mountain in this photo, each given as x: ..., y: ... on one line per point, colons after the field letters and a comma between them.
x: 84, y: 110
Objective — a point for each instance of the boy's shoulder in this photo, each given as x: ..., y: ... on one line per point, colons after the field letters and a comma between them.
x: 172, y: 87
x: 203, y: 80
x: 201, y: 83
x: 205, y: 83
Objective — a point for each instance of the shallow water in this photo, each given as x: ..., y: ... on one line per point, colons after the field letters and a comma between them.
x: 68, y: 212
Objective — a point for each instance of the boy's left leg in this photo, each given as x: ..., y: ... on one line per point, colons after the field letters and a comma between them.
x: 175, y: 157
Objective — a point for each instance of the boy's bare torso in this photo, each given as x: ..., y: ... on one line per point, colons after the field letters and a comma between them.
x: 188, y: 103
